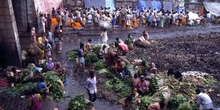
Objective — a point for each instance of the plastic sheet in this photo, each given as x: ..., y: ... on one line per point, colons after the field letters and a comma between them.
x: 213, y: 8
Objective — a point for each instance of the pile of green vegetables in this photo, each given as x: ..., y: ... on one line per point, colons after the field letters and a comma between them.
x: 55, y: 90
x: 25, y: 73
x: 21, y: 89
x: 99, y: 65
x: 91, y: 58
x: 153, y: 85
x: 72, y: 54
x: 175, y: 101
x: 121, y: 88
x: 96, y: 49
x: 79, y: 103
x: 145, y: 102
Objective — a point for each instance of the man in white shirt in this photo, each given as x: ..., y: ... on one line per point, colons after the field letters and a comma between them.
x: 209, y: 16
x: 89, y: 20
x: 91, y: 86
x: 42, y: 23
x: 204, y: 100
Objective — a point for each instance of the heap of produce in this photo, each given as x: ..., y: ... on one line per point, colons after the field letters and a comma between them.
x: 72, y: 54
x: 121, y: 88
x: 56, y: 91
x: 145, y: 102
x: 21, y: 89
x: 91, y: 58
x: 79, y: 103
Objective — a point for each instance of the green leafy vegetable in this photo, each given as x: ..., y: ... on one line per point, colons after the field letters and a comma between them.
x: 145, y: 102
x: 99, y: 65
x: 121, y: 88
x: 79, y: 103
x: 153, y: 85
x: 91, y: 58
x: 72, y: 54
x: 96, y: 48
x: 175, y: 101
x: 55, y: 90
x: 21, y: 88
x: 185, y: 106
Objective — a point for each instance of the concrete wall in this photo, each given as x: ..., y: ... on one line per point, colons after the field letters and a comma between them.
x: 20, y: 10
x: 10, y: 51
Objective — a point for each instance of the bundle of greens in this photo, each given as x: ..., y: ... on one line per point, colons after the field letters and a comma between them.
x: 21, y: 88
x: 91, y: 58
x: 55, y: 91
x: 145, y: 102
x: 175, y: 101
x: 72, y: 54
x: 25, y: 73
x: 79, y: 103
x: 96, y: 48
x: 154, y: 85
x: 99, y: 65
x: 186, y: 106
x: 121, y: 88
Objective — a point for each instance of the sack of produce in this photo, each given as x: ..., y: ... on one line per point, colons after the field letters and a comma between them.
x: 130, y: 46
x: 142, y: 44
x: 104, y: 25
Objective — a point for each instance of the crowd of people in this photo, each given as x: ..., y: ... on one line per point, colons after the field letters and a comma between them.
x: 126, y: 18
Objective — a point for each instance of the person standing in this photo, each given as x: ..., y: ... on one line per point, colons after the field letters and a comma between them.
x: 33, y: 35
x: 50, y: 37
x: 42, y: 23
x: 80, y: 60
x: 204, y: 100
x: 48, y: 22
x: 91, y: 86
x: 104, y: 36
x: 89, y: 20
x: 88, y: 46
x: 47, y: 49
x: 57, y: 39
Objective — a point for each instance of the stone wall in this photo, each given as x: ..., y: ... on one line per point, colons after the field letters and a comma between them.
x: 10, y: 51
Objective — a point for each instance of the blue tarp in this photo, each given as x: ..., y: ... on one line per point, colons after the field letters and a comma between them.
x: 168, y: 6
x: 146, y: 4
x: 98, y: 3
x: 156, y: 5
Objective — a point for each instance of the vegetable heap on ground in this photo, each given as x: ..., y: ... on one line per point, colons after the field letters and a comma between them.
x: 79, y: 103
x: 55, y: 91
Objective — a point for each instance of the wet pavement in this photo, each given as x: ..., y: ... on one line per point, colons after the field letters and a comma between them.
x: 71, y: 41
